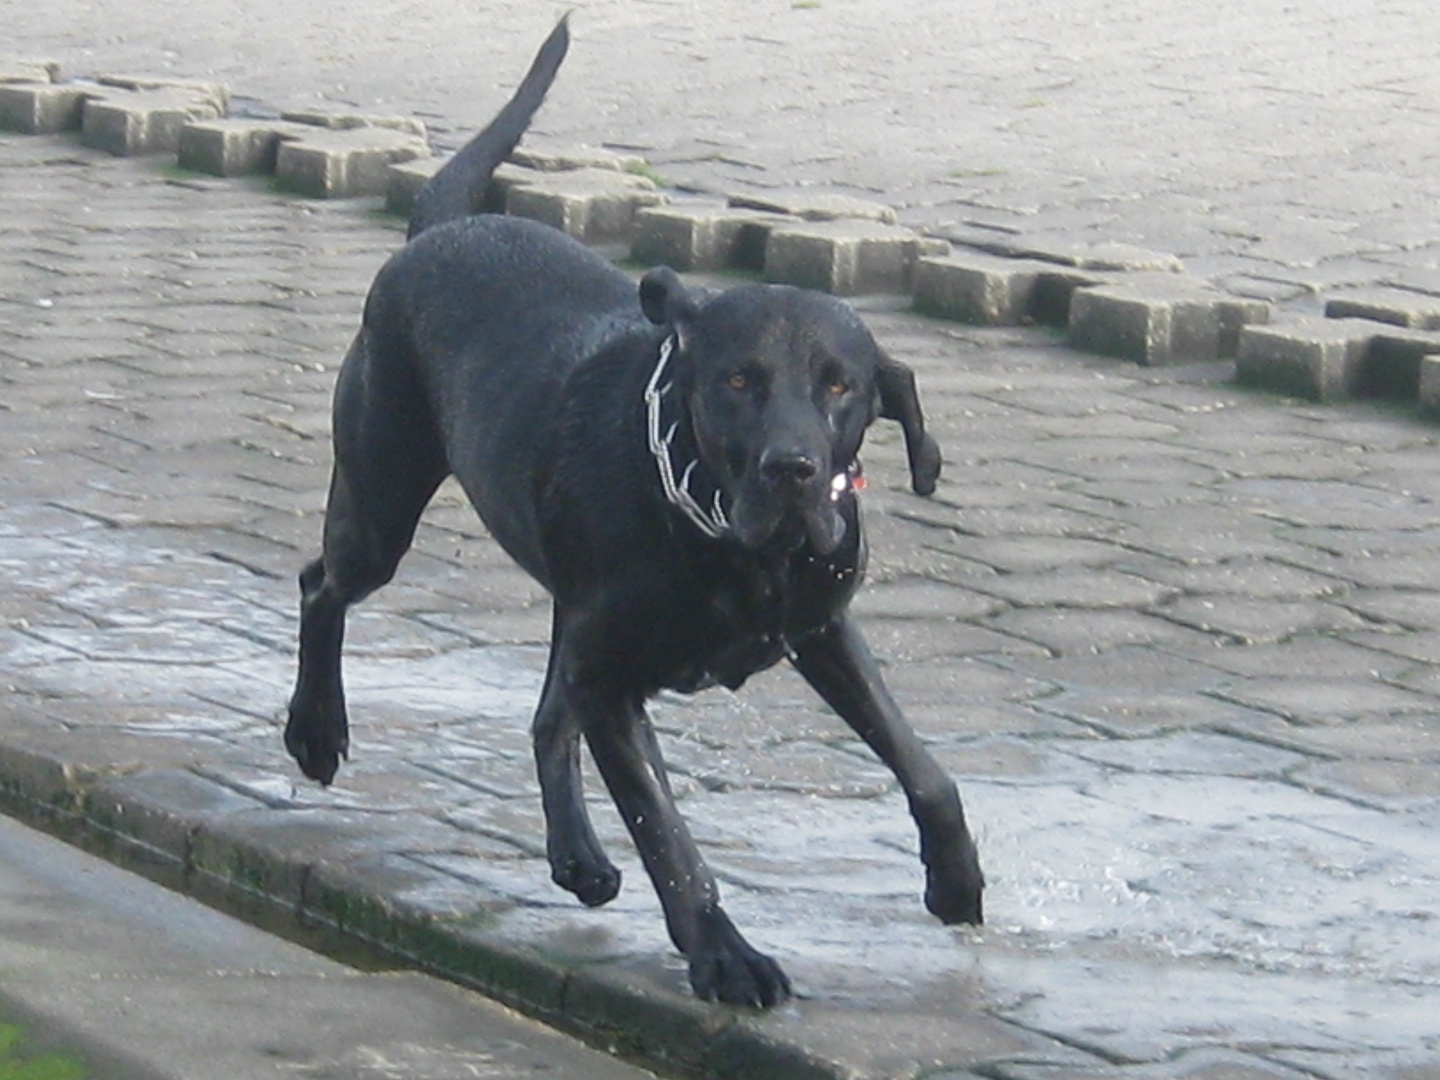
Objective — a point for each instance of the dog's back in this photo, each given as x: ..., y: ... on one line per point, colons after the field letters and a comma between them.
x: 473, y: 327
x: 457, y: 189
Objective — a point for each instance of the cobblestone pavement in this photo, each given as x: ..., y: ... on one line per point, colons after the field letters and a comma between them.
x: 1179, y: 641
x: 1279, y: 148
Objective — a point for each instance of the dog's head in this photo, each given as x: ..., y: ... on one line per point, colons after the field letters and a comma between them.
x: 780, y: 385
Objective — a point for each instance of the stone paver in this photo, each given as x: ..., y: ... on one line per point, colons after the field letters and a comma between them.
x: 42, y: 108
x: 593, y: 205
x: 847, y: 257
x: 234, y: 147
x: 144, y: 120
x: 1177, y: 639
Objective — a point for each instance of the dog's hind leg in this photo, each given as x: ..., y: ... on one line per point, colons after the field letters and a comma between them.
x: 838, y: 664
x: 577, y: 860
x: 387, y: 466
x: 723, y: 965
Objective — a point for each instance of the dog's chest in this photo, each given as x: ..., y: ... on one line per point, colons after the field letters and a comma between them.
x: 747, y: 617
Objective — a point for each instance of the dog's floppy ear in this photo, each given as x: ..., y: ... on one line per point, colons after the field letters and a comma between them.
x: 900, y: 402
x: 665, y: 300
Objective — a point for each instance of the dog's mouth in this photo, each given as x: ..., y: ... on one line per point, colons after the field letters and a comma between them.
x: 763, y: 514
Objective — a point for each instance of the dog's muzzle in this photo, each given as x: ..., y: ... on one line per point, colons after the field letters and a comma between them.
x: 787, y: 497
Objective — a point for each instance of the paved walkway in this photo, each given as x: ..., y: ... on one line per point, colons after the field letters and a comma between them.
x: 1179, y: 642
x: 1277, y: 147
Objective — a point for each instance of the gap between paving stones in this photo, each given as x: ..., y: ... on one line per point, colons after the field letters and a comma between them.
x: 1110, y: 299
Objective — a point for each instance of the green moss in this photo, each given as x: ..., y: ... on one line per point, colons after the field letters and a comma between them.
x: 172, y: 171
x: 645, y: 169
x: 45, y: 1067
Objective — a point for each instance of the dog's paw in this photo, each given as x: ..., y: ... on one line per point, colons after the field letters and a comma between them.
x: 729, y: 970
x: 594, y: 883
x: 317, y: 748
x: 954, y: 886
x: 952, y: 905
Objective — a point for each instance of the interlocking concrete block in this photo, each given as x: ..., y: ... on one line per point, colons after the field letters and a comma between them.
x: 132, y: 122
x: 1236, y: 313
x: 345, y: 121
x: 1047, y: 298
x: 704, y: 238
x: 41, y: 108
x: 1394, y: 362
x: 847, y: 257
x: 19, y: 70
x: 568, y: 159
x: 345, y: 163
x: 1400, y: 307
x: 406, y: 178
x: 504, y: 180
x: 1096, y: 257
x: 976, y: 288
x: 1160, y: 318
x: 404, y: 181
x: 1141, y: 325
x: 815, y: 206
x: 1055, y: 290
x: 1315, y: 358
x: 215, y: 93
x: 235, y: 147
x: 591, y: 205
x: 1429, y: 389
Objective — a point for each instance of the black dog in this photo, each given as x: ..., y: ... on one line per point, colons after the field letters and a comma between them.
x: 677, y: 472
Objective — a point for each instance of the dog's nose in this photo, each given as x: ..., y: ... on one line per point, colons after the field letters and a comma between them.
x: 783, y: 469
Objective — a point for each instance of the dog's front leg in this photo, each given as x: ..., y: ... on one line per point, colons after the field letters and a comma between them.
x: 723, y: 965
x: 838, y: 664
x: 317, y: 733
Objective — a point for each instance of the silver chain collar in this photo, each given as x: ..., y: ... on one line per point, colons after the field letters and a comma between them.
x: 712, y: 521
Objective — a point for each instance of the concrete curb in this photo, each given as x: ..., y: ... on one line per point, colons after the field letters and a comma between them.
x: 190, y: 834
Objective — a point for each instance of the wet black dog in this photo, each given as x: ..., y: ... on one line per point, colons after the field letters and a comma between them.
x: 677, y: 470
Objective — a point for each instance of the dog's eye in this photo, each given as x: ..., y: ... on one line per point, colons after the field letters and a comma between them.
x: 738, y: 381
x: 832, y: 377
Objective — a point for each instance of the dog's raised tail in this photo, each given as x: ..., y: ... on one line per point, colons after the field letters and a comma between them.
x: 457, y: 189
